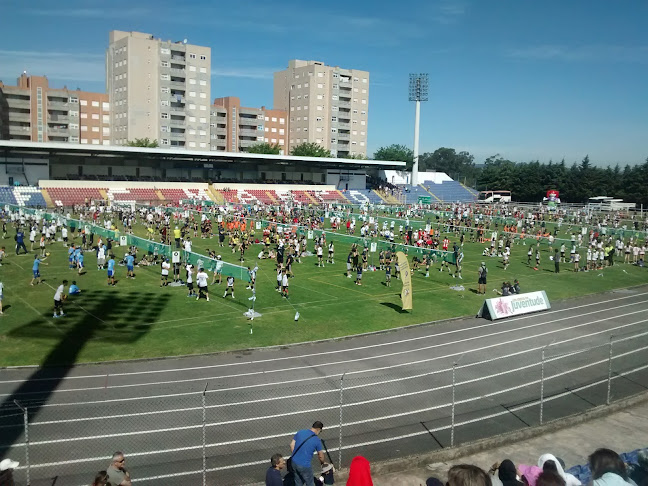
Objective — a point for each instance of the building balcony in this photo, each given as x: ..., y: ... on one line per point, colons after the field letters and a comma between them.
x: 178, y: 58
x: 219, y: 130
x: 177, y: 135
x: 343, y: 83
x: 341, y: 103
x: 62, y: 130
x: 342, y: 125
x: 24, y: 103
x: 178, y: 72
x: 249, y: 121
x: 246, y: 132
x: 56, y: 118
x: 58, y: 138
x: 343, y: 136
x: 177, y: 123
x: 177, y: 109
x: 19, y: 116
x: 176, y: 84
x: 244, y: 143
x: 58, y: 105
x: 18, y: 130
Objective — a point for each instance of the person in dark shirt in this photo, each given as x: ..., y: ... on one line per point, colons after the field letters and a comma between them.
x: 273, y: 474
x: 20, y: 241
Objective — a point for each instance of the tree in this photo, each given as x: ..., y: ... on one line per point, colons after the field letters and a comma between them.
x: 264, y: 148
x: 355, y: 157
x: 142, y: 142
x: 310, y: 149
x: 395, y: 152
x: 460, y: 166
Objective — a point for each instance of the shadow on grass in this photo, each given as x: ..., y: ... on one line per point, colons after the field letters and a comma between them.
x: 117, y: 318
x: 396, y: 307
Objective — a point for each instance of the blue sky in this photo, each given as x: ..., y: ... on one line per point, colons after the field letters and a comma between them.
x: 525, y: 79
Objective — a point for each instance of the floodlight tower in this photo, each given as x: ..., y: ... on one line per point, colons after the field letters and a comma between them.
x: 418, y: 91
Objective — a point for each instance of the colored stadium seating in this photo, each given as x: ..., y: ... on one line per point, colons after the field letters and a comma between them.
x: 22, y: 196
x: 451, y: 191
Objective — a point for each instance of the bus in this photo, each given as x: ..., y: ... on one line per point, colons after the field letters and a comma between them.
x: 495, y: 196
x: 605, y: 203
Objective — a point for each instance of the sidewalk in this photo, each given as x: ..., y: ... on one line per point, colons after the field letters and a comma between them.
x: 621, y: 431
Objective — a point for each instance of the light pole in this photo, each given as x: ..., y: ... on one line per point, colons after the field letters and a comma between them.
x: 418, y: 91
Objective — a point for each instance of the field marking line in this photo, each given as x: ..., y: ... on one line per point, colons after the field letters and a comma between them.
x: 377, y: 345
x: 386, y: 355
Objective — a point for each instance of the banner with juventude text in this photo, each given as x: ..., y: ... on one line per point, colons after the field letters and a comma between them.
x: 514, y: 305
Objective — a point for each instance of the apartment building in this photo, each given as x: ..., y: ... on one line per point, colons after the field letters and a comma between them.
x: 32, y: 111
x: 235, y: 128
x: 327, y: 105
x: 159, y: 90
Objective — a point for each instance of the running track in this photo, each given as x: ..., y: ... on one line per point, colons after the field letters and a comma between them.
x: 396, y: 390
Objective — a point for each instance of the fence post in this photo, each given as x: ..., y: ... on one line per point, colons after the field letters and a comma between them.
x: 340, y: 437
x: 609, y: 383
x: 452, y: 426
x: 542, y: 366
x: 26, y: 426
x: 204, y: 436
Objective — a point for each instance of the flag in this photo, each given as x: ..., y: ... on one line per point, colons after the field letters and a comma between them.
x: 406, y: 278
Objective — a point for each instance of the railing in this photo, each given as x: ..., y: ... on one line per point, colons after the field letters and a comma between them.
x: 210, y: 429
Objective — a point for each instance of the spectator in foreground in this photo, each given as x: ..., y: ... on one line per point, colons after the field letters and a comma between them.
x: 74, y: 289
x: 117, y: 473
x: 550, y: 478
x: 547, y: 463
x: 101, y: 479
x: 6, y: 472
x: 607, y: 469
x: 467, y: 475
x: 505, y: 474
x: 303, y: 445
x: 273, y: 474
x: 359, y: 472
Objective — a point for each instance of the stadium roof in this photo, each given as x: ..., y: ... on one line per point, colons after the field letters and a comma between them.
x: 15, y: 147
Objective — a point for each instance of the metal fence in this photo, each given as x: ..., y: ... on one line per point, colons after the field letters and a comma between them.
x: 223, y: 433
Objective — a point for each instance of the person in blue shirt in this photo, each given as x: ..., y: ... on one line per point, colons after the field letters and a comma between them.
x: 80, y: 259
x: 130, y: 265
x: 74, y: 288
x: 273, y: 474
x: 304, y: 444
x: 111, y: 270
x: 71, y: 256
x: 20, y: 241
x: 36, y: 270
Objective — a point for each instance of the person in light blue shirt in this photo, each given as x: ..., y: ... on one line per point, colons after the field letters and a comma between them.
x: 74, y: 288
x: 71, y: 256
x: 130, y: 265
x: 80, y: 259
x: 36, y: 270
x: 111, y: 270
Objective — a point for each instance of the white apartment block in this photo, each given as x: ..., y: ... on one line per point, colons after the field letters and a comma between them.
x: 158, y: 90
x: 327, y: 105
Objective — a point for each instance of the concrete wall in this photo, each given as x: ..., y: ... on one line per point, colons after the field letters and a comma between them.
x: 34, y: 170
x: 346, y: 179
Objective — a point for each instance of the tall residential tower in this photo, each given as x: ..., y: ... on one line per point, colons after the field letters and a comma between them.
x: 158, y: 90
x: 327, y: 105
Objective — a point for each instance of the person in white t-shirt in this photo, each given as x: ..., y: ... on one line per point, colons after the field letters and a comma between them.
x: 190, y: 286
x: 164, y: 279
x: 59, y: 296
x: 230, y: 287
x: 203, y: 288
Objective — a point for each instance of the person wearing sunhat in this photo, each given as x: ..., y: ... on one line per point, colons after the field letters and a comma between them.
x: 6, y: 472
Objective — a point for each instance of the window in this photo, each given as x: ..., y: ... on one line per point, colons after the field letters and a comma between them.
x: 356, y: 79
x: 164, y: 102
x: 192, y: 131
x: 363, y: 112
x: 362, y: 122
x: 192, y: 94
x: 362, y: 144
x: 320, y: 85
x: 84, y: 103
x: 166, y: 90
x: 354, y: 132
x: 364, y: 102
x: 192, y: 144
x: 84, y: 115
x: 76, y: 113
x: 355, y: 112
x: 192, y: 119
x: 192, y: 106
x: 305, y: 85
x: 192, y: 69
x: 204, y: 96
x: 363, y: 133
x: 105, y: 106
x: 95, y: 129
x: 84, y: 128
x: 333, y: 130
x: 203, y: 70
x: 165, y: 63
x: 192, y: 56
x: 203, y: 120
x: 74, y: 126
x: 274, y: 130
x: 192, y: 81
x: 299, y: 86
x: 266, y: 140
x: 319, y: 129
x: 334, y: 118
x: 364, y: 91
x: 259, y: 139
x: 165, y: 141
x: 320, y: 74
x: 203, y: 144
x: 164, y: 116
x: 320, y: 97
x: 274, y: 140
x: 281, y: 121
x: 165, y: 77
x: 164, y: 50
x: 84, y: 140
x: 259, y: 127
x: 355, y: 90
x: 74, y: 100
x: 267, y: 129
x: 203, y: 82
x: 281, y: 131
x: 281, y: 141
x: 95, y: 116
x: 74, y: 139
x: 364, y: 80
x: 164, y: 128
x: 203, y: 107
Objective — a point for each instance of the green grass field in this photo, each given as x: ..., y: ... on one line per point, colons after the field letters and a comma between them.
x: 138, y: 319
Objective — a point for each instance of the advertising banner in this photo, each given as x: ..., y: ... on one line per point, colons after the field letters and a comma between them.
x: 514, y: 305
x: 406, y: 277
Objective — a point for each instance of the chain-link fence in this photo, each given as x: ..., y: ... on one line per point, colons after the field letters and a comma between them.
x: 223, y: 432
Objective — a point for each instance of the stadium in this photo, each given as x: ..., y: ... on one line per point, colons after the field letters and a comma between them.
x: 197, y: 389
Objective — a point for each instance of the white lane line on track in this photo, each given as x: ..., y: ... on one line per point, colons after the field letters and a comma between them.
x: 358, y: 348
x: 333, y: 426
x: 301, y: 380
